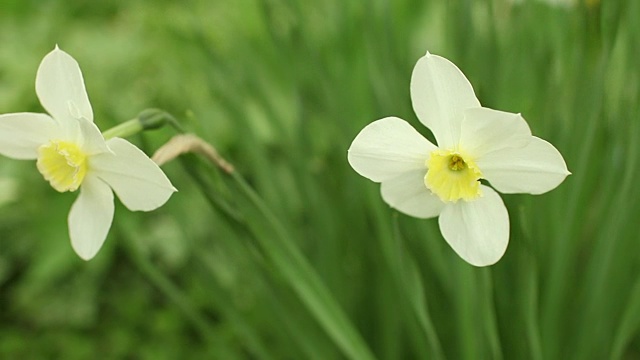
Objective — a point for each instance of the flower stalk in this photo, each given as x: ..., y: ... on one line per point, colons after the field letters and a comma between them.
x: 124, y: 130
x: 292, y: 264
x: 149, y: 119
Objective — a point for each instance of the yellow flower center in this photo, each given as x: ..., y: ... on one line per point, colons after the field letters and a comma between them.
x: 452, y: 176
x: 62, y: 164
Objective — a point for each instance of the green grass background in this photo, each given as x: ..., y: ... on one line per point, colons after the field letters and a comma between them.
x: 281, y: 88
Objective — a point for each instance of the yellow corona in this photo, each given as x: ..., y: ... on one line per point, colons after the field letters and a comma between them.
x: 452, y: 176
x: 63, y: 164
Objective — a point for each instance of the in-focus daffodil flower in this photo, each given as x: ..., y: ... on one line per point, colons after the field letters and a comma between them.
x: 423, y: 180
x: 72, y: 154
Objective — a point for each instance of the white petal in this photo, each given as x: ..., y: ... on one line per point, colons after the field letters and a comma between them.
x: 90, y: 217
x: 439, y: 94
x: 408, y: 194
x: 22, y: 134
x: 534, y: 169
x: 478, y: 231
x: 91, y: 140
x: 139, y: 183
x: 388, y: 147
x: 485, y: 130
x: 60, y: 87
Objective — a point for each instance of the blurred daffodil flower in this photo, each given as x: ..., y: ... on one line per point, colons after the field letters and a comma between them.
x: 423, y: 180
x: 72, y: 154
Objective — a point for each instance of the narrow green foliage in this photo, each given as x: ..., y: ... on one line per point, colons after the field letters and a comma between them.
x: 302, y: 259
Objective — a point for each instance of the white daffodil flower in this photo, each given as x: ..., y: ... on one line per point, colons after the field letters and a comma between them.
x: 72, y: 154
x: 423, y: 180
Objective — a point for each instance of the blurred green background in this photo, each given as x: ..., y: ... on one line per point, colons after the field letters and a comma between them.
x: 281, y: 88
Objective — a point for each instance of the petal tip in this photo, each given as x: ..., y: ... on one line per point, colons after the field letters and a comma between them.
x: 484, y: 263
x: 85, y: 257
x: 84, y: 251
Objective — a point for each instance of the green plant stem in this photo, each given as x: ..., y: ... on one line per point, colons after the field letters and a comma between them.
x: 407, y: 275
x: 124, y: 129
x: 529, y: 278
x: 290, y: 262
x: 148, y: 119
x: 287, y: 259
x: 490, y: 320
x: 238, y: 224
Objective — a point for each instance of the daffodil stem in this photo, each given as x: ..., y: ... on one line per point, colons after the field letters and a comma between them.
x: 288, y: 261
x: 488, y: 306
x: 148, y: 119
x: 407, y: 276
x: 291, y: 263
x: 123, y: 130
x: 217, y: 202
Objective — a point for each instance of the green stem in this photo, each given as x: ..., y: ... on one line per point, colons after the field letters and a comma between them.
x: 490, y: 320
x: 148, y: 119
x: 124, y: 130
x: 407, y: 275
x: 290, y: 262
